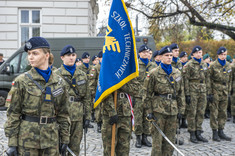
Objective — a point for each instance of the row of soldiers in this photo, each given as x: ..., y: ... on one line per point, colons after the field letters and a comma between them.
x: 48, y: 110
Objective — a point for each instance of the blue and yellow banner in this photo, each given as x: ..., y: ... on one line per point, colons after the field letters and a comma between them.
x: 119, y: 64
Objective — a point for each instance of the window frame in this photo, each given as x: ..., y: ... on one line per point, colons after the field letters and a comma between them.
x: 30, y: 25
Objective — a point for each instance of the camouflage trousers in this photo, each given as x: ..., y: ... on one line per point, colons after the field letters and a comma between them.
x: 196, y: 111
x: 218, y: 111
x: 38, y: 152
x: 142, y: 126
x: 167, y: 123
x: 233, y: 104
x: 123, y: 136
x: 76, y: 133
x: 98, y: 114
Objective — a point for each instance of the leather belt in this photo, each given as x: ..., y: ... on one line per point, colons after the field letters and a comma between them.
x: 167, y: 96
x: 40, y: 120
x: 197, y: 81
x: 219, y: 82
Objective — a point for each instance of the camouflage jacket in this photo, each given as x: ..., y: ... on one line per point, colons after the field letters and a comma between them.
x: 26, y: 98
x: 77, y: 103
x: 221, y: 77
x: 144, y: 70
x: 156, y: 85
x: 177, y: 65
x: 85, y: 69
x: 94, y: 76
x: 123, y: 105
x: 233, y: 78
x: 196, y: 77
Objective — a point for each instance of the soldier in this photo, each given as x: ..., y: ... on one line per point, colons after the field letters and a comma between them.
x: 175, y: 51
x: 183, y: 58
x: 196, y: 80
x: 164, y: 98
x: 78, y: 61
x: 142, y: 126
x: 94, y: 76
x: 37, y: 107
x: 206, y: 59
x: 220, y: 74
x: 121, y: 116
x: 157, y: 57
x: 95, y: 60
x: 79, y: 96
x: 233, y: 93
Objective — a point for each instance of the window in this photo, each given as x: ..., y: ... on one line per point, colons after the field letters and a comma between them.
x: 14, y: 63
x: 24, y: 64
x: 30, y: 24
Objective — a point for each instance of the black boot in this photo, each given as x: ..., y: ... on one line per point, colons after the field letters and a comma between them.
x: 215, y: 136
x: 199, y: 136
x: 183, y: 124
x: 193, y: 138
x: 90, y: 125
x: 181, y: 142
x: 233, y: 119
x: 138, y: 143
x: 223, y: 136
x: 145, y: 141
x: 99, y: 127
x: 92, y: 117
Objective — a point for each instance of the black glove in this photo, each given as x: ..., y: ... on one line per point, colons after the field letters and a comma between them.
x: 150, y: 116
x: 113, y: 119
x: 179, y: 116
x: 12, y: 151
x: 86, y: 124
x: 63, y: 148
x: 188, y: 99
x: 210, y: 98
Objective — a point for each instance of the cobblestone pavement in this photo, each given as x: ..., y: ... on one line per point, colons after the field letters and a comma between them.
x: 94, y: 142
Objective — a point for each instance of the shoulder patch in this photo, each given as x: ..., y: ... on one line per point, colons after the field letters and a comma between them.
x: 91, y: 75
x: 93, y: 69
x: 57, y: 92
x: 13, y: 83
x: 9, y: 98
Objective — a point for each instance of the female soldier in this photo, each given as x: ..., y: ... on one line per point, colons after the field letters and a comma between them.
x: 37, y: 107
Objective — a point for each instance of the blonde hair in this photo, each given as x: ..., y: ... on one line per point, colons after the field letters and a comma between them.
x: 51, y: 59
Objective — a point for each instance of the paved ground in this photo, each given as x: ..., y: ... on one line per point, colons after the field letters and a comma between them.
x: 94, y: 142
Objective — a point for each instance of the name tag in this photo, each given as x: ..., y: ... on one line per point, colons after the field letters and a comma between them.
x: 178, y: 79
x: 57, y: 92
x: 229, y: 70
x: 205, y: 68
x: 81, y: 82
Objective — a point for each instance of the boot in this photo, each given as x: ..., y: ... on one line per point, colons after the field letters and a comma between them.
x: 145, y: 141
x: 181, y: 142
x: 223, y: 136
x: 233, y: 119
x: 193, y: 138
x: 215, y: 136
x: 99, y: 127
x: 90, y: 125
x: 138, y: 143
x: 199, y: 136
x: 183, y: 124
x: 92, y: 117
x: 207, y: 115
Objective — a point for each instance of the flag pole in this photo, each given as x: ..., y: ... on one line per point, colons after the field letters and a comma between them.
x: 114, y: 126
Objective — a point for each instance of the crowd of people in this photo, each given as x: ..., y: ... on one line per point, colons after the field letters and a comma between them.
x: 50, y: 108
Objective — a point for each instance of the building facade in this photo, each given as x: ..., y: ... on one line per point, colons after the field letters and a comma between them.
x: 23, y: 19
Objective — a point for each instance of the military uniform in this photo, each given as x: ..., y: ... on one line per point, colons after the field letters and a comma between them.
x: 36, y: 118
x: 233, y: 93
x: 123, y: 126
x: 177, y: 64
x: 78, y: 104
x: 221, y: 87
x: 165, y: 102
x: 142, y: 126
x: 197, y: 86
x: 85, y: 69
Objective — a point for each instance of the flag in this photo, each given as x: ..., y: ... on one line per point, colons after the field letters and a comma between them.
x: 119, y: 64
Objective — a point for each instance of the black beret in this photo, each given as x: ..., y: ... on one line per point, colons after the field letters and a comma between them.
x: 85, y: 55
x: 196, y: 49
x: 174, y: 46
x: 100, y: 54
x: 182, y: 54
x: 164, y: 50
x: 67, y: 49
x: 221, y: 50
x: 143, y: 48
x: 35, y: 43
x: 78, y: 59
x: 156, y: 53
x: 93, y: 58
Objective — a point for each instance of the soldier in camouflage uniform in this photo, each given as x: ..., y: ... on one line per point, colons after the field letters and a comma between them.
x: 85, y: 67
x: 164, y: 97
x: 221, y: 75
x: 37, y: 107
x: 95, y: 60
x: 142, y: 126
x: 121, y: 116
x: 94, y: 76
x: 79, y: 96
x: 175, y: 60
x: 233, y: 92
x: 157, y: 57
x: 197, y: 87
